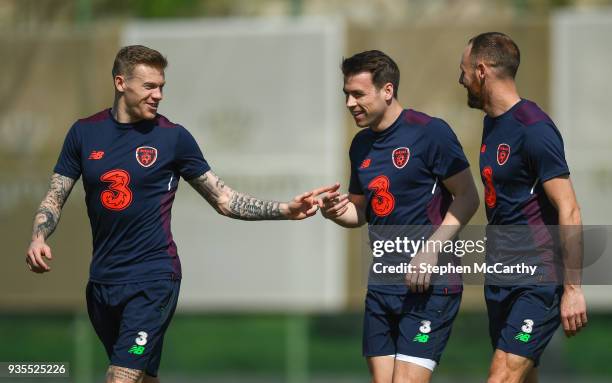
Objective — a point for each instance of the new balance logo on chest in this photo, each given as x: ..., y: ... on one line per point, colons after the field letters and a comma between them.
x: 96, y: 155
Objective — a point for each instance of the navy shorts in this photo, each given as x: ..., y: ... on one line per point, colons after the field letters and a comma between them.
x: 131, y: 320
x: 523, y: 319
x: 416, y: 325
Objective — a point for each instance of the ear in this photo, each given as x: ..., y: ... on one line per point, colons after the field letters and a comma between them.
x: 120, y: 83
x: 481, y: 71
x: 388, y: 90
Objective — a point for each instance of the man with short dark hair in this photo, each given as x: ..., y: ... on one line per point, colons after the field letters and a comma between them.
x: 131, y: 159
x: 527, y: 185
x: 408, y: 171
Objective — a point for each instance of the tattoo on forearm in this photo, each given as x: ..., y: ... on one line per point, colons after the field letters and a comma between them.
x: 48, y: 214
x: 232, y: 203
x: 45, y: 222
x: 123, y: 375
x: 209, y: 186
x: 246, y: 207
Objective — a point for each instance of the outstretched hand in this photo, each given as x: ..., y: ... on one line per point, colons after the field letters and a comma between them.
x: 333, y: 205
x: 305, y: 205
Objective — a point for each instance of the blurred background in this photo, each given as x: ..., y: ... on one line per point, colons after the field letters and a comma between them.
x: 258, y: 84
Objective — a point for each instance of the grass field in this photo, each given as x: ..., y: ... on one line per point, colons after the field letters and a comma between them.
x: 257, y: 345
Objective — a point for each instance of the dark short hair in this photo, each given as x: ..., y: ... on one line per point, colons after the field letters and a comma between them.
x: 130, y: 56
x: 381, y: 66
x: 498, y: 50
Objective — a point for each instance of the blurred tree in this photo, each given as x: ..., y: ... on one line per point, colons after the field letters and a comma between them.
x: 147, y: 8
x: 34, y: 13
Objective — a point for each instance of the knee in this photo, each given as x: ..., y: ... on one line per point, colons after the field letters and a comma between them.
x: 509, y: 368
x: 499, y: 373
x: 502, y: 379
x: 412, y: 379
x: 505, y: 375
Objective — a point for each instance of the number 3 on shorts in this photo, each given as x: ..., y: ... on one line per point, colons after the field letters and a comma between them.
x: 142, y: 338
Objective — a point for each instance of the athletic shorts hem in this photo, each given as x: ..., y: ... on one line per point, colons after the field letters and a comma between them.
x: 427, y: 363
x: 435, y: 355
x: 374, y: 354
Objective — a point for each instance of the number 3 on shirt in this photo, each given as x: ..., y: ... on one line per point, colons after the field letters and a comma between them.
x: 382, y: 201
x: 489, y: 192
x: 118, y: 196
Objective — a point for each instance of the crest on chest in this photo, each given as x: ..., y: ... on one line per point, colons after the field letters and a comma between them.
x: 400, y: 157
x: 503, y: 153
x: 146, y: 156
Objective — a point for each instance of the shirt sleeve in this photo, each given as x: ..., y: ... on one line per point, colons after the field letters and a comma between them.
x: 446, y: 157
x: 354, y: 183
x: 69, y: 161
x: 190, y: 162
x: 545, y: 154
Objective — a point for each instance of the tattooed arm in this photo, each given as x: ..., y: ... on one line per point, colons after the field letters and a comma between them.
x: 231, y: 203
x: 45, y: 221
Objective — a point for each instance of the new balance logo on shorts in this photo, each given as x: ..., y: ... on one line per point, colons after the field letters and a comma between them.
x: 521, y: 336
x: 137, y: 350
x: 527, y: 328
x: 425, y: 329
x: 421, y: 338
x: 141, y: 341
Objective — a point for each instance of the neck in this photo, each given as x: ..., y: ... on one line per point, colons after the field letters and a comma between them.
x: 501, y: 96
x: 120, y: 113
x: 388, y: 118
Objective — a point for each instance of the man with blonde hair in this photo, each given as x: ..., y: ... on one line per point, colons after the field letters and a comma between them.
x: 131, y: 159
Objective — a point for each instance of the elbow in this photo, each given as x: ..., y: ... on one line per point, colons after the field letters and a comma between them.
x: 576, y: 214
x: 573, y: 215
x: 471, y: 202
x: 474, y: 203
x: 223, y: 210
x: 569, y: 214
x: 222, y: 206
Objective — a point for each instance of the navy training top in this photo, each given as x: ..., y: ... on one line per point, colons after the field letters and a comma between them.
x: 521, y: 149
x: 130, y: 176
x: 399, y: 171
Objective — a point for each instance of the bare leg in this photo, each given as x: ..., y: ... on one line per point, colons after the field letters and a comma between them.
x: 406, y: 372
x: 381, y: 368
x: 509, y: 368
